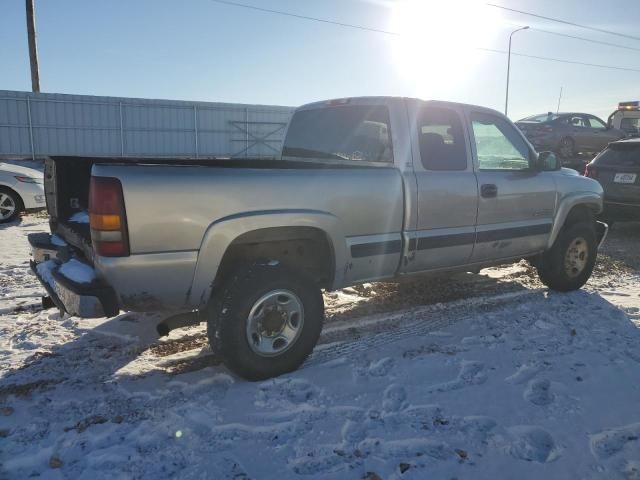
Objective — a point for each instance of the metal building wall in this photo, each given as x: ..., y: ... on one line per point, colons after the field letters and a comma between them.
x: 36, y: 125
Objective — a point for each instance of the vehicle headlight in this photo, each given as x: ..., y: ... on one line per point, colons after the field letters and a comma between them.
x: 29, y: 179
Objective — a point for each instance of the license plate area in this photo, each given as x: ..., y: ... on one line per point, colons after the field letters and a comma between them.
x: 625, y: 178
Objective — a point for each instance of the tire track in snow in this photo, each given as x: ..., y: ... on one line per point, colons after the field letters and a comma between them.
x: 342, y: 340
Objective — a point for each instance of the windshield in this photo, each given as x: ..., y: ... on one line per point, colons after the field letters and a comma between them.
x: 359, y: 133
x: 623, y: 154
x: 498, y: 145
x: 547, y: 117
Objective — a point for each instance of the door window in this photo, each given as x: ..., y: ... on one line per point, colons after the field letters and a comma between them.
x: 499, y: 146
x: 579, y: 121
x: 441, y: 137
x: 596, y: 123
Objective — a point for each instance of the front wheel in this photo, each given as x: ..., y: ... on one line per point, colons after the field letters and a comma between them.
x: 568, y: 264
x: 10, y: 205
x: 265, y: 321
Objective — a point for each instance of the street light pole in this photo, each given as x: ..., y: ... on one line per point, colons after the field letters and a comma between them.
x: 506, y: 99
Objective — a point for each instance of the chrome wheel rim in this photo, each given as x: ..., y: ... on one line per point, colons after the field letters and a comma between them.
x: 575, y: 260
x: 274, y: 323
x: 7, y: 206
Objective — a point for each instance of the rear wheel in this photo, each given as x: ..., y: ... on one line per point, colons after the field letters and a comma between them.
x: 10, y: 205
x: 265, y: 321
x: 568, y: 264
x: 567, y: 148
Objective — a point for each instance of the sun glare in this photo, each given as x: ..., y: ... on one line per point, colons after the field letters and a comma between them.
x: 435, y: 47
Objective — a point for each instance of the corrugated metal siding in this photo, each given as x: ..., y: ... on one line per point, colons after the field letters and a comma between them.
x: 57, y: 124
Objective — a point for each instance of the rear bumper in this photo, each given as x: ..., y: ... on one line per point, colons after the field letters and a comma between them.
x: 94, y: 299
x: 621, y: 210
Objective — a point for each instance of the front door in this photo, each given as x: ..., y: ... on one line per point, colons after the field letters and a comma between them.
x: 447, y: 197
x: 516, y: 202
x: 601, y: 135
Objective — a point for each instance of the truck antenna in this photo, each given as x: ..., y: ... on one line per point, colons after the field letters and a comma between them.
x: 559, y: 99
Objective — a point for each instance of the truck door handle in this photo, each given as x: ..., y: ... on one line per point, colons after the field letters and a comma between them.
x: 489, y: 190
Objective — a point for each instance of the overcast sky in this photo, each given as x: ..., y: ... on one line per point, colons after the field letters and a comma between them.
x: 202, y: 50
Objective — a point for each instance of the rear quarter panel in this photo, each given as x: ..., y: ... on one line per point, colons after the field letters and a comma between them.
x: 175, y: 212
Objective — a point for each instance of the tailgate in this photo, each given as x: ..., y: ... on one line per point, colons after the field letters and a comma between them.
x: 620, y: 184
x: 618, y: 171
x: 50, y: 189
x: 66, y: 184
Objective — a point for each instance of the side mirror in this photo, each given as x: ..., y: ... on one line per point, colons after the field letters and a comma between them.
x: 548, y: 162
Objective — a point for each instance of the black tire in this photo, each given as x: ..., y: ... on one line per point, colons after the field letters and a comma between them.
x: 229, y: 312
x: 557, y: 271
x: 9, y: 197
x: 567, y: 148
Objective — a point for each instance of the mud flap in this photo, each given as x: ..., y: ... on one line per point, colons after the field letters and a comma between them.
x: 602, y: 229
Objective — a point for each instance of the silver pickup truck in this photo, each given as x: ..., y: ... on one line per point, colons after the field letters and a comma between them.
x: 366, y: 189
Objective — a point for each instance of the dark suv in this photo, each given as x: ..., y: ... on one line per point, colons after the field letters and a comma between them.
x: 568, y: 133
x: 617, y: 168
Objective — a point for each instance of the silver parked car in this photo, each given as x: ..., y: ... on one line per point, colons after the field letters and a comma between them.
x: 366, y: 189
x: 568, y: 134
x: 21, y: 188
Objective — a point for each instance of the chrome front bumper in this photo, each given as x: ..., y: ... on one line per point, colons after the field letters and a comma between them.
x: 88, y: 300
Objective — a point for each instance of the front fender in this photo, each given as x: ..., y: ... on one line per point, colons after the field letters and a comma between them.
x: 221, y: 234
x: 592, y: 200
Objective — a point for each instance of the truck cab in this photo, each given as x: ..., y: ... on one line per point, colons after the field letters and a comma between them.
x: 626, y: 118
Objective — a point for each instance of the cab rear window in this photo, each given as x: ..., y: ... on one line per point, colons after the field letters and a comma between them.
x: 350, y: 133
x: 630, y: 125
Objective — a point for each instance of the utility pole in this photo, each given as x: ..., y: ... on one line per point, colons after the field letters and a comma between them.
x: 33, y: 47
x: 506, y: 97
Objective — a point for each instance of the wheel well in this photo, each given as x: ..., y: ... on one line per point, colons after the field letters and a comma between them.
x: 301, y: 248
x: 13, y: 192
x: 580, y: 214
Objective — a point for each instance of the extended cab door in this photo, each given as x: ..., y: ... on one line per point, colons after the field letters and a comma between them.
x: 447, y: 197
x: 516, y: 201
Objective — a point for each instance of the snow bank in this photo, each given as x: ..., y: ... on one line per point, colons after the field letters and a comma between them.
x: 512, y: 382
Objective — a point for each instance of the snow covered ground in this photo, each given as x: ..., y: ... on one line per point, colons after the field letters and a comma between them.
x: 475, y: 377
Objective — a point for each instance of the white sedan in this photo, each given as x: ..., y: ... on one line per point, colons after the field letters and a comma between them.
x: 21, y: 188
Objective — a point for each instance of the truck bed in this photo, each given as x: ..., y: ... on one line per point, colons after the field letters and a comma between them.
x: 67, y: 184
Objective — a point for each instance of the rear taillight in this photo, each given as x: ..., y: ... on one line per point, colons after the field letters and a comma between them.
x: 590, y: 170
x: 107, y: 217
